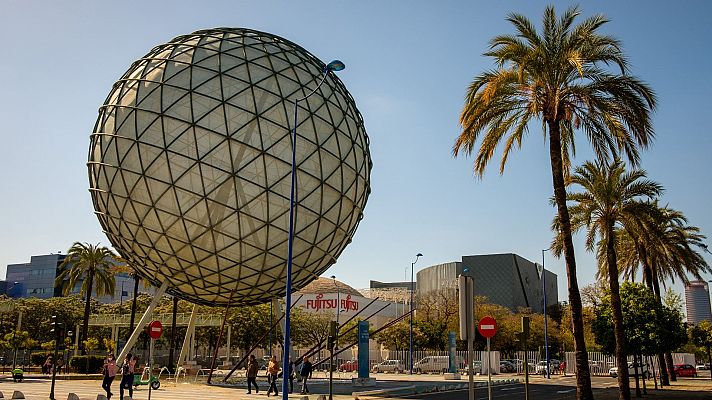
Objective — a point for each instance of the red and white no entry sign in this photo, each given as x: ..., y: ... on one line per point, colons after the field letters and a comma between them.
x: 487, y: 327
x: 155, y: 329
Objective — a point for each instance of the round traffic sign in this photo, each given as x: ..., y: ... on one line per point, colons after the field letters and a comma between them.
x: 155, y: 329
x: 487, y: 327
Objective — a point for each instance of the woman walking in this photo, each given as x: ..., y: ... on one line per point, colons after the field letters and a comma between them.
x: 127, y: 374
x: 252, y: 368
x: 272, y: 372
x: 109, y: 374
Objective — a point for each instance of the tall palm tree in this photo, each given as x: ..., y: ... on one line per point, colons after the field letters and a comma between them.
x: 611, y: 198
x: 663, y: 246
x: 91, y: 265
x: 561, y: 79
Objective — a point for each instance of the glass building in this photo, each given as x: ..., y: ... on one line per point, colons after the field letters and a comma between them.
x: 697, y: 302
x: 36, y: 279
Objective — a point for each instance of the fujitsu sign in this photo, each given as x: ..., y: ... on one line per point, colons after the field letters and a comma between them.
x: 320, y: 303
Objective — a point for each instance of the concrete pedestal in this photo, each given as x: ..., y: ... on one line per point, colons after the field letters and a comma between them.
x: 451, y: 376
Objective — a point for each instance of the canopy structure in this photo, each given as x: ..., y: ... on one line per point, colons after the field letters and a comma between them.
x: 190, y: 159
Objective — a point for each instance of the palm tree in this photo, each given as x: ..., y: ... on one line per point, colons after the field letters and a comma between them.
x: 611, y: 198
x: 561, y: 79
x: 87, y: 263
x: 663, y: 247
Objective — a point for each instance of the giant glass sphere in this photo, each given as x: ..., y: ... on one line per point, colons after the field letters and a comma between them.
x: 190, y: 162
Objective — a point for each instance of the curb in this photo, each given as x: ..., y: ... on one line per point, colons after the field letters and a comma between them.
x: 421, y: 389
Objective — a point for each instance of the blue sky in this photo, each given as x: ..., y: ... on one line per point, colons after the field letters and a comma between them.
x: 408, y: 64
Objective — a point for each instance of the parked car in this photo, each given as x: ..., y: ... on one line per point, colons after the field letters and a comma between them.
x: 506, y: 366
x: 388, y: 366
x: 434, y: 364
x: 703, y: 367
x: 685, y: 370
x: 644, y: 371
x: 349, y: 366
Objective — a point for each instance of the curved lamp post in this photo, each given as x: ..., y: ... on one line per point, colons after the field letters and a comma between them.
x: 412, y: 289
x: 335, y: 65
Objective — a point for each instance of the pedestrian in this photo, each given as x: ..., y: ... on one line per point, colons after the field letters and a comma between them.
x: 272, y: 372
x: 109, y: 374
x: 47, y: 366
x: 60, y: 364
x: 305, y: 372
x: 127, y: 375
x: 291, y: 375
x: 252, y: 369
x: 562, y: 367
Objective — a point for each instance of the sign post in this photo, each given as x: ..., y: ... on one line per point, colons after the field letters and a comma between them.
x: 155, y: 329
x: 487, y: 328
x: 466, y: 286
x: 525, y: 336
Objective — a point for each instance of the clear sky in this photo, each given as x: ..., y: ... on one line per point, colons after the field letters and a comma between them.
x: 408, y: 64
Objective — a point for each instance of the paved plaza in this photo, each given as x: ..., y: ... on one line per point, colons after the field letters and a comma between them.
x: 557, y: 388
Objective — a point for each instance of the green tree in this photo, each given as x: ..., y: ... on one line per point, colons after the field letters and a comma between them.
x: 701, y: 335
x: 308, y: 329
x: 560, y: 78
x: 611, y: 199
x: 663, y: 246
x: 650, y: 327
x: 395, y: 337
x: 86, y: 263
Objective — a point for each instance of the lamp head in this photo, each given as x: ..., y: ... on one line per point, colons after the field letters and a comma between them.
x: 334, y: 65
x: 333, y: 276
x: 419, y: 255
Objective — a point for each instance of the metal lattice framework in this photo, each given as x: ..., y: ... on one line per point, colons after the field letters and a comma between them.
x: 189, y: 166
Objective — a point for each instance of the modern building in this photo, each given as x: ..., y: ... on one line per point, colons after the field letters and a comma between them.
x: 36, y: 279
x: 505, y: 279
x: 697, y: 302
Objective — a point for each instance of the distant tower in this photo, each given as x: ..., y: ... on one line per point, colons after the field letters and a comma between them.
x: 697, y: 301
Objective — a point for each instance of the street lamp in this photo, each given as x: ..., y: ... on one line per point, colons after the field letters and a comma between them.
x: 546, y: 325
x: 412, y: 289
x: 334, y: 65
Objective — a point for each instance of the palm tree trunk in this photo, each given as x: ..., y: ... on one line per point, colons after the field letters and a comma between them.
x: 649, y: 276
x: 133, y: 305
x: 668, y: 357
x: 87, y: 310
x: 618, y: 331
x: 583, y: 374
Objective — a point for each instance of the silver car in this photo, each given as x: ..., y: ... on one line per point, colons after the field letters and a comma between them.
x: 388, y: 366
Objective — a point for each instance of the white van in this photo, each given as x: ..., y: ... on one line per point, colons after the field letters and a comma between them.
x: 434, y: 364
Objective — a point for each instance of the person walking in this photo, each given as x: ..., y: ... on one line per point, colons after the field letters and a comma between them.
x: 109, y: 374
x: 291, y: 376
x: 127, y: 374
x: 47, y: 366
x: 272, y: 372
x: 252, y: 369
x: 305, y: 372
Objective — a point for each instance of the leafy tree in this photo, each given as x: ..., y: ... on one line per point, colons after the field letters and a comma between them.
x: 91, y: 344
x: 249, y: 324
x: 560, y: 78
x: 701, y: 335
x: 650, y: 327
x: 396, y: 337
x: 664, y: 247
x: 85, y: 263
x: 308, y: 328
x: 611, y: 199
